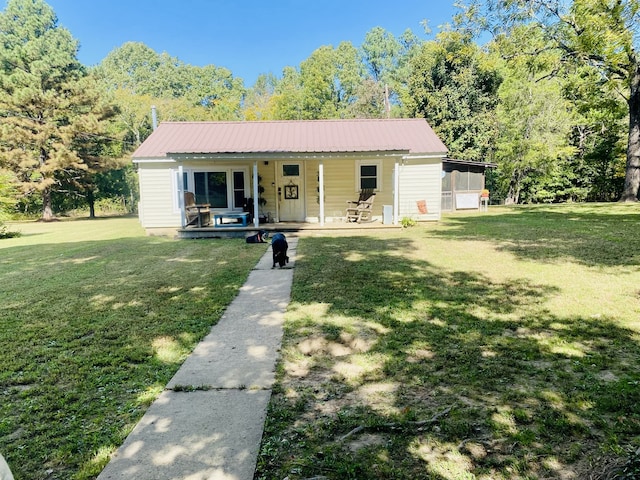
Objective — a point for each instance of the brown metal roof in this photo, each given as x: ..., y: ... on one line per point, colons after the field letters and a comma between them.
x: 306, y: 136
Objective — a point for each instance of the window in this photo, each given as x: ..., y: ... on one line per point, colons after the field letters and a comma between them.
x: 238, y: 189
x: 211, y: 188
x: 224, y: 189
x: 368, y: 176
x: 291, y: 170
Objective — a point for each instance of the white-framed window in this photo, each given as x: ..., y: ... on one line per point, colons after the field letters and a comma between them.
x: 175, y: 179
x: 369, y: 175
x: 222, y: 188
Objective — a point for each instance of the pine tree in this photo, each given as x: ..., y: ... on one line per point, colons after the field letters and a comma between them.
x: 44, y: 109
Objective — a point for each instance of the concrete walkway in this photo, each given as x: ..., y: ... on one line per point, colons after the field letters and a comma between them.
x: 207, y: 424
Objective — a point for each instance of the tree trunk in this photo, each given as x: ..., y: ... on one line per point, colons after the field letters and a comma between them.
x: 92, y: 204
x: 47, y: 211
x: 632, y: 177
x: 513, y: 195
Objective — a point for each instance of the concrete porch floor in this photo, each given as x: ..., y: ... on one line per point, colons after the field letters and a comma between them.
x: 299, y: 228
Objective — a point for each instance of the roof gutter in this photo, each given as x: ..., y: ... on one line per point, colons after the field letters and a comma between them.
x: 424, y: 156
x: 175, y: 156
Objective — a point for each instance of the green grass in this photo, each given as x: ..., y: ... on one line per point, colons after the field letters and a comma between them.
x: 489, y: 346
x: 95, y: 318
x: 493, y: 346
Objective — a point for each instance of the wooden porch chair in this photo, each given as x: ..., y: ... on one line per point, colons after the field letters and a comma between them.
x: 361, y: 209
x: 197, y: 214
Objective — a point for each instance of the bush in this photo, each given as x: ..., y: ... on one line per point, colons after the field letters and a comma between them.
x: 407, y: 222
x: 6, y: 233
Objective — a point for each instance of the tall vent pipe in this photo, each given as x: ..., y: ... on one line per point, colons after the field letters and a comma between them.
x: 154, y: 117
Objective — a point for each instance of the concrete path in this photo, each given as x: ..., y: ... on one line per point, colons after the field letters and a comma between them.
x: 207, y: 424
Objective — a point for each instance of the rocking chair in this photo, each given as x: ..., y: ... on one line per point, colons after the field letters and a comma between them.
x: 361, y: 209
x: 197, y: 214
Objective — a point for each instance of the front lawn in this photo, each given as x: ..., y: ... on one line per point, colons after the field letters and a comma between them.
x: 490, y: 346
x: 95, y: 318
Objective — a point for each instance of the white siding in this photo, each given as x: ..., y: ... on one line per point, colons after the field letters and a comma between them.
x: 420, y: 182
x: 157, y: 204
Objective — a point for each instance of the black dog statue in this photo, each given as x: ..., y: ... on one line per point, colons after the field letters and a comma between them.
x: 259, y: 237
x: 279, y: 247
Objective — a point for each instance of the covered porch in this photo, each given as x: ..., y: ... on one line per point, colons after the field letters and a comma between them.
x: 301, y: 190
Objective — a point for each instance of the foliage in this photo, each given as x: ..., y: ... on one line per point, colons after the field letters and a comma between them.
x: 631, y: 468
x: 454, y: 85
x: 342, y: 82
x: 287, y: 99
x: 188, y: 92
x: 387, y: 62
x: 407, y: 222
x: 534, y: 120
x: 258, y: 103
x: 593, y: 33
x: 8, y: 189
x: 599, y: 134
x: 329, y: 80
x: 6, y: 233
x: 53, y: 120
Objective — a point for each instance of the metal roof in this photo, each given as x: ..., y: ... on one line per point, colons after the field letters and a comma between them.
x: 414, y: 136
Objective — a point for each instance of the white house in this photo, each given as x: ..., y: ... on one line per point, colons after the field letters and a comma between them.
x: 302, y: 171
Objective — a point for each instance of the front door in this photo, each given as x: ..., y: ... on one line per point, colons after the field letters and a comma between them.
x: 291, y: 192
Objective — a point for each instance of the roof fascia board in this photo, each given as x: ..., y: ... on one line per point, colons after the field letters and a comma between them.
x: 154, y: 160
x: 424, y: 156
x: 283, y: 155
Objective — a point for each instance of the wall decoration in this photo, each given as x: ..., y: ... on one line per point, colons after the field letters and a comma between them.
x: 291, y: 192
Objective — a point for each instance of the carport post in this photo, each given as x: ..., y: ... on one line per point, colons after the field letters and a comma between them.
x: 256, y: 204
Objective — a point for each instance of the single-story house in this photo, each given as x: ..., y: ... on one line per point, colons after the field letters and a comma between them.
x: 300, y: 171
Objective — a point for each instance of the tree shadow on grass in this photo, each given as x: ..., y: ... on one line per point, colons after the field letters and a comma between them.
x: 592, y: 234
x: 91, y: 332
x: 393, y: 368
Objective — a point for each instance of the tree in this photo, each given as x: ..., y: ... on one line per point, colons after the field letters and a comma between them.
x: 601, y: 34
x: 532, y: 149
x: 258, y: 101
x: 287, y: 98
x: 194, y: 93
x: 386, y: 60
x: 454, y: 84
x: 43, y: 104
x: 599, y: 134
x: 7, y: 193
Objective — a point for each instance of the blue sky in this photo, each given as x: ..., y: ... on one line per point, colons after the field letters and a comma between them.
x: 247, y: 37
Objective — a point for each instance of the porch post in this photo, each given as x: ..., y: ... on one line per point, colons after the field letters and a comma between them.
x: 321, y: 191
x: 256, y: 205
x: 183, y: 215
x: 396, y: 187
